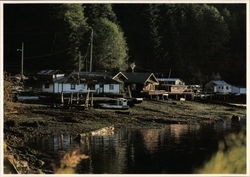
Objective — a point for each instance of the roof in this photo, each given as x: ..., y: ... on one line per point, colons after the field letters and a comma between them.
x: 168, y: 79
x: 139, y: 78
x: 90, y: 77
x: 219, y: 82
x: 48, y: 72
x: 60, y: 79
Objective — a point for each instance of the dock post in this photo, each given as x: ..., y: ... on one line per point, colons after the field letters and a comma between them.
x: 71, y: 97
x: 87, y: 99
x: 62, y: 99
x: 77, y: 98
x: 92, y: 100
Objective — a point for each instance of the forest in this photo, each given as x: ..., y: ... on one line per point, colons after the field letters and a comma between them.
x: 195, y: 42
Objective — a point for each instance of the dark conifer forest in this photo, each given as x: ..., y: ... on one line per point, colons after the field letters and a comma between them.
x: 195, y: 42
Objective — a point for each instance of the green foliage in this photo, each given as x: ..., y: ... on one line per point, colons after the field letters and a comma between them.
x: 230, y: 158
x: 74, y: 22
x: 96, y: 11
x: 193, y: 40
x: 110, y: 50
x: 109, y: 44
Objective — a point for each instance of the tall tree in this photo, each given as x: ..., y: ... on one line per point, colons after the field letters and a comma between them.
x: 71, y: 18
x: 109, y: 44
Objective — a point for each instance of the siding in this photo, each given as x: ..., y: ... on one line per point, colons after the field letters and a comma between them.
x: 50, y: 89
x: 115, y: 90
x: 78, y: 88
x: 66, y: 87
x: 222, y: 89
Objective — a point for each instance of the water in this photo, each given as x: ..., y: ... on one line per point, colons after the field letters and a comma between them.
x: 174, y: 149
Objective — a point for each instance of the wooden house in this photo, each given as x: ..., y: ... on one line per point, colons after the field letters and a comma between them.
x: 218, y: 86
x: 83, y: 82
x: 137, y: 82
x: 173, y: 85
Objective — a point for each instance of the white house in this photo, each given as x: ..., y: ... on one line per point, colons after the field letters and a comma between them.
x: 83, y: 82
x: 218, y: 86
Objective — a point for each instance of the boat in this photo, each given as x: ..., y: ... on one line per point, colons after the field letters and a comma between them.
x: 121, y: 103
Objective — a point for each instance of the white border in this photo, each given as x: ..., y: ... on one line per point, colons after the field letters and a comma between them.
x: 130, y: 2
x: 1, y: 87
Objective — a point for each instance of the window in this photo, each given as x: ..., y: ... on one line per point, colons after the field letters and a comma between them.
x: 46, y: 85
x: 111, y: 87
x: 73, y: 86
x: 219, y: 87
x: 227, y: 87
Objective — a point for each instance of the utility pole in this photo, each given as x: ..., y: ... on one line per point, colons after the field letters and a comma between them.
x: 22, y: 57
x: 79, y: 65
x: 169, y: 74
x: 91, y: 50
x: 79, y: 62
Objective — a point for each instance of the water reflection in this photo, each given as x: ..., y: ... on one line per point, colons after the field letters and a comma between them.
x: 176, y: 148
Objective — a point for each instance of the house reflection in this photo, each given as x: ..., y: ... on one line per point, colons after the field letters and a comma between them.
x: 179, y: 130
x: 152, y: 138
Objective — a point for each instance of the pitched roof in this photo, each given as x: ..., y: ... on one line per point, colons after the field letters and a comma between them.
x: 219, y: 82
x: 139, y: 78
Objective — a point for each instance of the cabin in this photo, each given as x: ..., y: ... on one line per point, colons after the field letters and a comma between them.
x: 83, y: 82
x: 137, y: 82
x: 172, y: 85
x: 218, y: 86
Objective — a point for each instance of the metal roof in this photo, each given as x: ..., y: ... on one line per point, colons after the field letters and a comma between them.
x: 219, y: 82
x: 48, y: 72
x: 90, y: 77
x: 168, y: 79
x: 140, y: 78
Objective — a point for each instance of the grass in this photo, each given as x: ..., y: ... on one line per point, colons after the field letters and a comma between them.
x: 230, y: 158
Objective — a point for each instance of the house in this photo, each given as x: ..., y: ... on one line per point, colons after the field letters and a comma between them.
x: 218, y: 86
x: 173, y: 85
x: 137, y: 82
x: 97, y: 82
x: 83, y: 82
x: 48, y: 78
